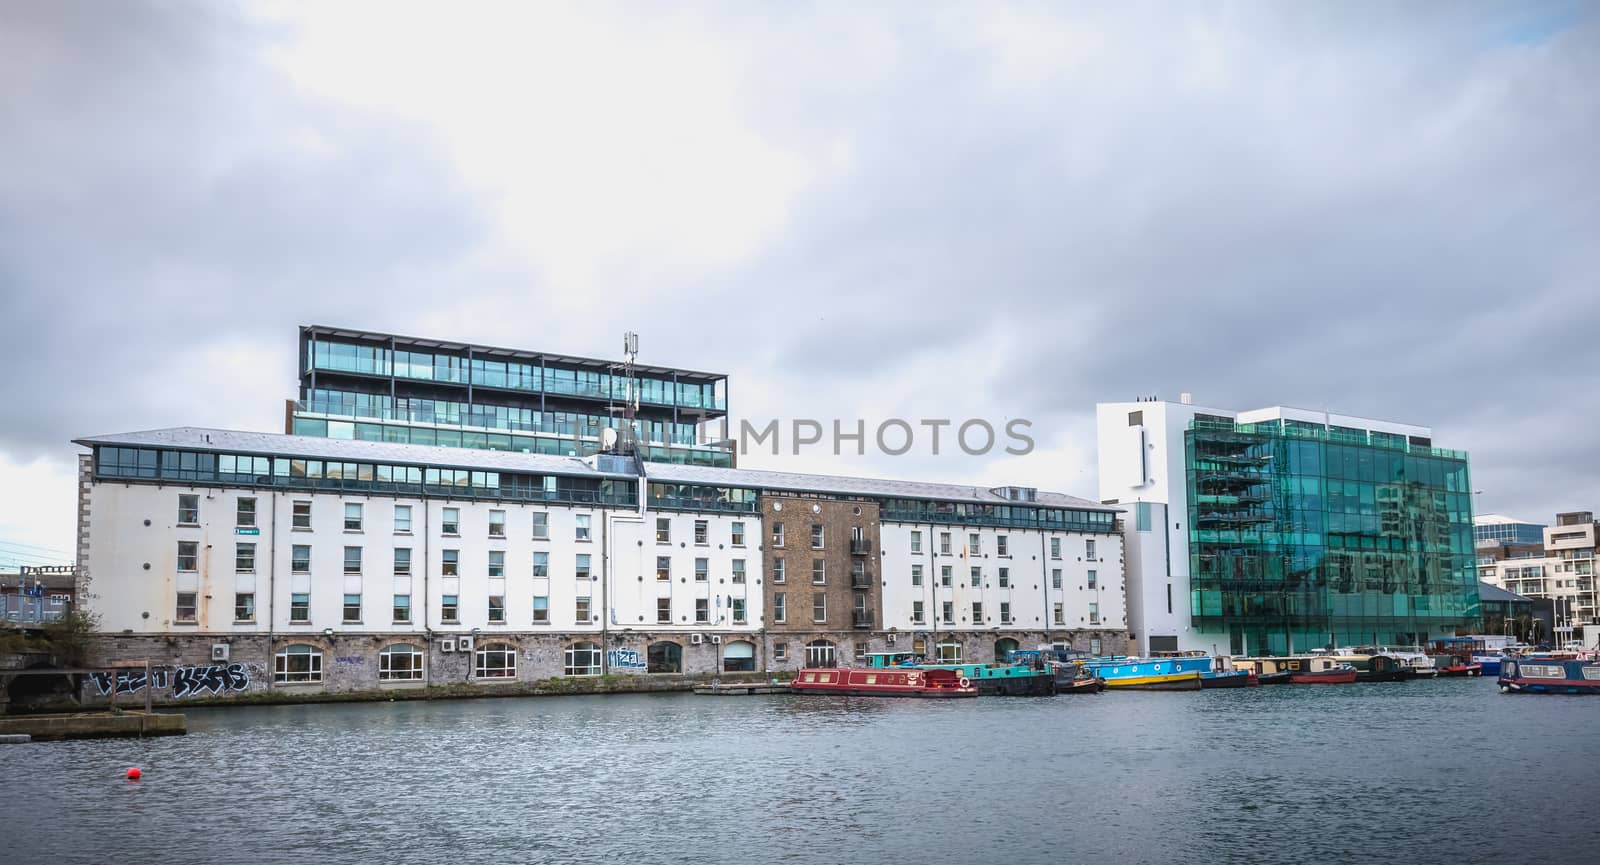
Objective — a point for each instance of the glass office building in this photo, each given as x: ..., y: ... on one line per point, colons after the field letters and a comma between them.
x: 1304, y: 534
x: 382, y: 387
x: 1493, y: 530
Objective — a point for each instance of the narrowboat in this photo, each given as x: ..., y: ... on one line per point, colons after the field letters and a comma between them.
x: 1488, y: 663
x: 1549, y: 675
x: 1374, y: 666
x: 1320, y: 670
x: 871, y: 682
x: 1268, y: 671
x: 1066, y: 666
x: 1452, y: 656
x: 1416, y: 659
x: 1145, y: 674
x: 992, y: 680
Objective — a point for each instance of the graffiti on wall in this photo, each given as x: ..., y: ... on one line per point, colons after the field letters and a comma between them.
x: 186, y: 681
x: 625, y: 661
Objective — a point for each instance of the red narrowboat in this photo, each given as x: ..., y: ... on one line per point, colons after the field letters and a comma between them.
x: 882, y: 682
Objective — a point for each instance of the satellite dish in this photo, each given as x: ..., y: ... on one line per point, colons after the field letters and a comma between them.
x: 608, y: 438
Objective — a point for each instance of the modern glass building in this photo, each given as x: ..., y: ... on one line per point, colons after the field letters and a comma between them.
x: 1497, y: 530
x: 1303, y: 534
x: 382, y: 387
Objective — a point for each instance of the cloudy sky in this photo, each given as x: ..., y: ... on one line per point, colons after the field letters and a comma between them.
x: 896, y: 210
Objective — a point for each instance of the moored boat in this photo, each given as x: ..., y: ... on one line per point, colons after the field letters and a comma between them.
x: 1452, y: 656
x: 1374, y: 666
x: 882, y: 682
x: 1539, y: 674
x: 1071, y: 676
x: 1030, y: 678
x: 1268, y: 671
x: 1145, y: 674
x: 1229, y: 679
x: 1320, y: 670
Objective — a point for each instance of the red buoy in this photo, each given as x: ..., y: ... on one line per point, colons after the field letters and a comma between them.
x: 134, y: 773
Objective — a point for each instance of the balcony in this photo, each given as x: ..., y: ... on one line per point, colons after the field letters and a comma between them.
x: 862, y: 580
x: 861, y: 619
x: 860, y: 547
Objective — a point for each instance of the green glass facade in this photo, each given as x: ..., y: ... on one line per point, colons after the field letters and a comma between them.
x: 1301, y: 535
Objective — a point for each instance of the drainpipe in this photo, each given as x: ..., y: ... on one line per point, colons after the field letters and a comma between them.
x: 1044, y: 583
x: 272, y: 586
x: 427, y: 621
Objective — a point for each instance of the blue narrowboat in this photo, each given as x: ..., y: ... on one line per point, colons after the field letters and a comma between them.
x: 1549, y: 675
x: 1148, y: 674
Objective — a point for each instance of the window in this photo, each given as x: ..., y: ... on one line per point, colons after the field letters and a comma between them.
x: 780, y: 608
x: 977, y: 577
x: 450, y: 563
x: 819, y: 608
x: 402, y: 561
x: 738, y: 534
x: 583, y: 659
x: 821, y: 653
x: 1094, y: 646
x: 541, y: 564
x: 916, y: 542
x: 244, y: 558
x: 861, y: 654
x: 1093, y: 583
x: 1055, y: 578
x: 1088, y: 549
x: 1169, y: 598
x: 541, y: 526
x: 188, y: 510
x: 297, y: 665
x: 352, y: 560
x: 449, y: 609
x: 400, y: 663
x: 497, y: 563
x: 186, y: 611
x: 702, y: 534
x: 917, y: 613
x: 778, y: 575
x: 663, y: 611
x: 663, y: 530
x: 497, y: 524
x: 702, y: 610
x: 188, y: 555
x: 949, y: 652
x: 497, y: 609
x: 244, y: 515
x: 948, y: 613
x: 777, y: 534
x: 1002, y: 545
x: 1141, y: 516
x: 816, y: 536
x: 780, y: 651
x: 663, y: 569
x: 702, y: 570
x: 1005, y: 613
x: 737, y: 605
x: 580, y: 611
x: 352, y: 516
x: 495, y: 661
x: 300, y: 607
x: 244, y: 607
x: 402, y: 609
x: 450, y: 521
x: 738, y: 572
x: 580, y: 528
x: 916, y: 575
x: 919, y: 646
x: 819, y: 572
x: 1005, y: 578
x: 974, y: 544
x: 946, y: 578
x: 977, y: 612
x: 402, y: 519
x: 300, y: 559
x: 1060, y: 614
x: 1094, y: 613
x: 580, y: 568
x: 300, y: 518
x: 352, y: 607
x: 664, y: 657
x: 944, y: 543
x: 1055, y: 548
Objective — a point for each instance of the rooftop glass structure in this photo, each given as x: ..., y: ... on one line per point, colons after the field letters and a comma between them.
x: 1491, y: 529
x: 1303, y: 535
x: 381, y: 387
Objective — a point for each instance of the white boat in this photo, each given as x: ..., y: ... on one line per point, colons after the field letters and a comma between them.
x: 1415, y: 658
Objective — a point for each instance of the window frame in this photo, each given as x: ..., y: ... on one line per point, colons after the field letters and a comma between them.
x: 414, y: 669
x: 282, y: 674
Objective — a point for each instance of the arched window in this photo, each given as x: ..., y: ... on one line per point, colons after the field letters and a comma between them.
x: 495, y: 661
x: 738, y: 657
x: 821, y: 653
x: 401, y: 662
x: 583, y: 659
x: 949, y: 652
x: 1003, y: 648
x: 665, y: 657
x: 297, y: 664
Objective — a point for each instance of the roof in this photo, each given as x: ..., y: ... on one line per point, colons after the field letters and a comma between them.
x: 314, y: 447
x: 838, y: 485
x: 1492, y: 592
x: 1500, y: 520
x: 503, y: 353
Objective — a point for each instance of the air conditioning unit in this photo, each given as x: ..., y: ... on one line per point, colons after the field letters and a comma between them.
x: 464, y: 644
x: 448, y: 644
x: 889, y: 638
x: 696, y: 639
x: 219, y: 651
x: 716, y: 639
